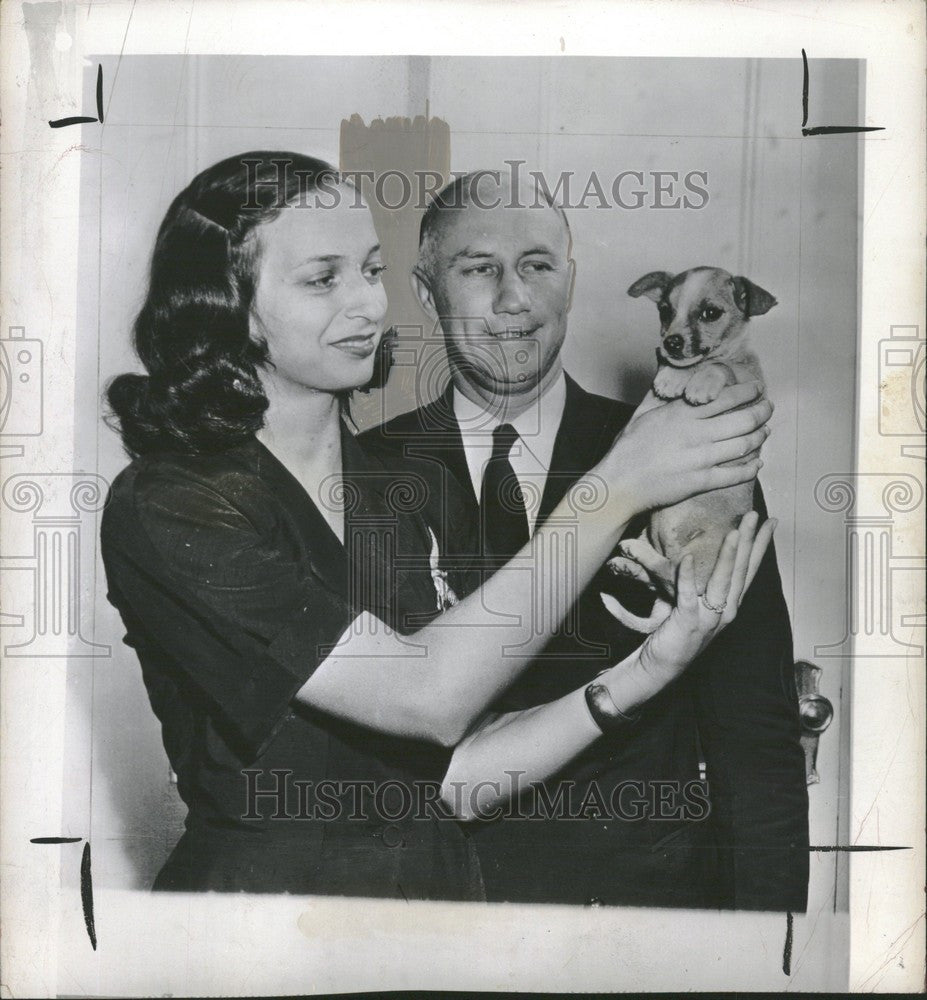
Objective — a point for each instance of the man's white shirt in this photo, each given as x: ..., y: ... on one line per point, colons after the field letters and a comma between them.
x: 530, y: 455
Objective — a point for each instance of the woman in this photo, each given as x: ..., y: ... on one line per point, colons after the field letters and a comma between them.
x: 265, y: 575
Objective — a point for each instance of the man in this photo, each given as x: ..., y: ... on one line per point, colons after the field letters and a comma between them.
x: 497, y: 273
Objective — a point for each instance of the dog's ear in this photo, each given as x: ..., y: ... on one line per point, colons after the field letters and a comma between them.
x: 751, y: 299
x: 652, y: 285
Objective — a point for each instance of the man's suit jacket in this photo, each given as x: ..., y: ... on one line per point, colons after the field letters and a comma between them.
x: 637, y: 833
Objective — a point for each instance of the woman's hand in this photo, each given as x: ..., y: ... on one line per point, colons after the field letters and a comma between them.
x: 668, y: 453
x: 696, y: 618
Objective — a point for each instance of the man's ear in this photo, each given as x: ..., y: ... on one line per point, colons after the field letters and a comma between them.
x: 422, y: 288
x: 751, y: 299
x: 652, y: 285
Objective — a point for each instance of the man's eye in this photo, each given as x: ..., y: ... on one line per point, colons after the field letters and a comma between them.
x: 538, y: 265
x: 374, y: 272
x: 710, y: 313
x: 480, y: 269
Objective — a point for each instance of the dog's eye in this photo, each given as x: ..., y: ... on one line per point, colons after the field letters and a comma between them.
x: 666, y: 311
x: 710, y: 313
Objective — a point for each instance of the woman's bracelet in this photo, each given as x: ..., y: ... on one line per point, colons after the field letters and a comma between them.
x: 605, y: 713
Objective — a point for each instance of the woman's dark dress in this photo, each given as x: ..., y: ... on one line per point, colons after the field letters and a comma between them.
x: 233, y: 589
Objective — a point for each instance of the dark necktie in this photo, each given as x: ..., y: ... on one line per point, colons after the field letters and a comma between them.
x: 502, y: 504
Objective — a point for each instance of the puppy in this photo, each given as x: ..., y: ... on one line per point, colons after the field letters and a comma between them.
x: 704, y: 314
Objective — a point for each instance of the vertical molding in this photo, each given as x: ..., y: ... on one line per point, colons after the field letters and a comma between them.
x: 748, y: 167
x: 419, y: 92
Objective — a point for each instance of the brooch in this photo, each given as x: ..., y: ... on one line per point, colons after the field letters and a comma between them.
x: 444, y: 592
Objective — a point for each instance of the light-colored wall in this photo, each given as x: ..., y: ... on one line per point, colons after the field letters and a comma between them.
x: 782, y: 210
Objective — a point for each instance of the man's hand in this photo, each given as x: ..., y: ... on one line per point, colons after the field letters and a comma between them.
x: 668, y: 453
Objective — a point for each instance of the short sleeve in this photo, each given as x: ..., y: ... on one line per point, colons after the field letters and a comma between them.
x: 228, y: 597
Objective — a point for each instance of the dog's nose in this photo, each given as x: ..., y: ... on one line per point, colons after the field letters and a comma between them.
x: 674, y: 344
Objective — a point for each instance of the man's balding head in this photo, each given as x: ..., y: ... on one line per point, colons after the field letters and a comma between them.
x: 495, y: 268
x: 480, y: 190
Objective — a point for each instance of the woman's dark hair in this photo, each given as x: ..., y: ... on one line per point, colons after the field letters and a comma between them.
x: 202, y: 391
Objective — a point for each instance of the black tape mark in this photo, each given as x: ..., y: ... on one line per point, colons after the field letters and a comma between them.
x: 100, y: 92
x: 825, y: 848
x: 828, y: 848
x: 804, y: 90
x: 824, y: 129
x: 83, y: 119
x: 840, y: 129
x: 55, y: 840
x: 86, y: 895
x: 62, y: 122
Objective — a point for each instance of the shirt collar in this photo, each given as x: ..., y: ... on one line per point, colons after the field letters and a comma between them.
x: 537, y: 426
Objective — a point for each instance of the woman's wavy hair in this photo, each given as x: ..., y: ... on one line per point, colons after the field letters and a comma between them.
x: 202, y: 392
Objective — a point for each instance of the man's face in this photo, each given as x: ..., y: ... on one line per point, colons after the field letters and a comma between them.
x: 500, y: 282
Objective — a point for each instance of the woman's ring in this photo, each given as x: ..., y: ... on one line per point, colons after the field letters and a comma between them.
x: 717, y: 609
